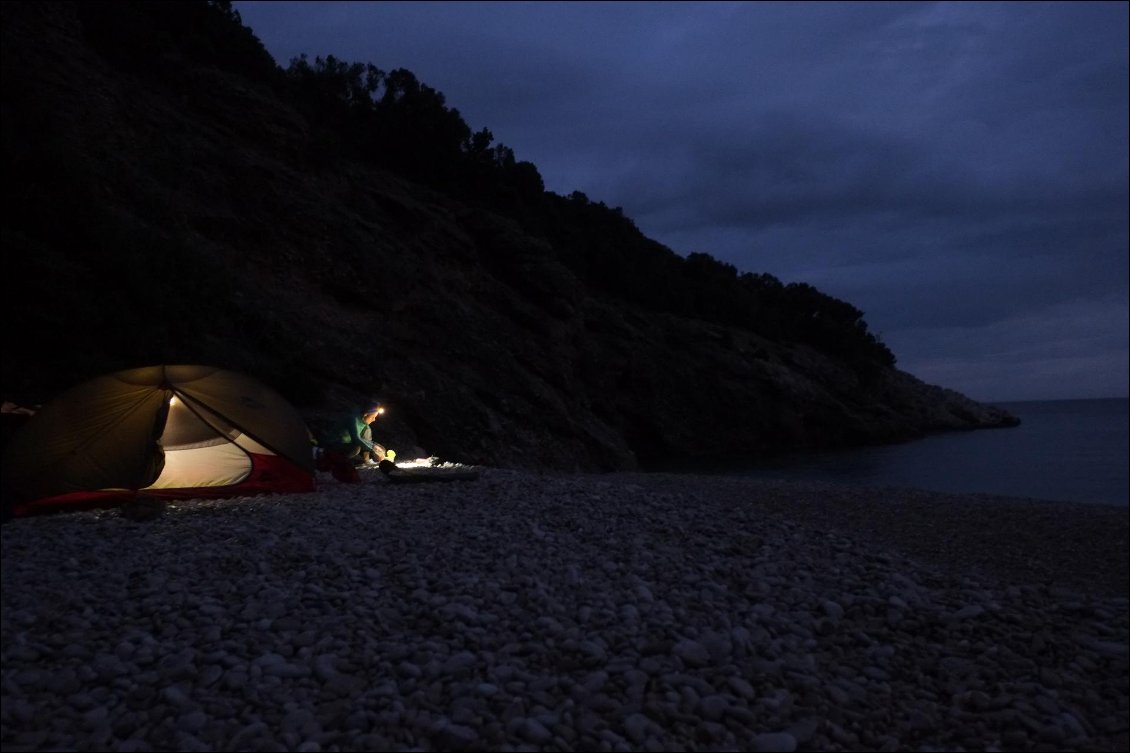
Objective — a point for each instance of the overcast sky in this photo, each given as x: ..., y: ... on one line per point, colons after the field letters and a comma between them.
x: 956, y: 171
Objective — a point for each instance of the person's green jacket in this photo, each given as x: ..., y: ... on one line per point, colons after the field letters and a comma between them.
x: 350, y: 432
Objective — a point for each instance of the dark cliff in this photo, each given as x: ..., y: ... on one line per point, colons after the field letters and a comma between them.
x: 174, y: 202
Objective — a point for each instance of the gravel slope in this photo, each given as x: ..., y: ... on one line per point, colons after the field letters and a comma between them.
x: 557, y: 612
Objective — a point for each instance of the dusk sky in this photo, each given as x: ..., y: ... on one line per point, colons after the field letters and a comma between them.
x: 957, y: 171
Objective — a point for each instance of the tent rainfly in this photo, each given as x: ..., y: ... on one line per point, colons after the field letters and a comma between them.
x: 164, y: 431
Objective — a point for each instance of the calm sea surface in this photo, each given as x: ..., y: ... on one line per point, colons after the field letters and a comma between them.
x: 1072, y: 450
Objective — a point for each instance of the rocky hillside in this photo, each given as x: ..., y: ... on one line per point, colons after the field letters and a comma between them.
x: 172, y: 202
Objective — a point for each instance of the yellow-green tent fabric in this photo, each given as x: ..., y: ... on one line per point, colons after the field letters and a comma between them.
x: 174, y: 431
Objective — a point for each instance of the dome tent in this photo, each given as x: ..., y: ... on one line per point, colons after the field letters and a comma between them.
x: 165, y: 431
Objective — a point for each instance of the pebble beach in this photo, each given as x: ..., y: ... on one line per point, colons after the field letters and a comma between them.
x: 526, y: 611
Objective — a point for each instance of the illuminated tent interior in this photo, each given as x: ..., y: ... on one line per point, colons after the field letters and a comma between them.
x: 164, y: 431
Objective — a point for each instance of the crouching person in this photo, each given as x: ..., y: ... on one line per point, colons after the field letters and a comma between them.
x: 350, y: 445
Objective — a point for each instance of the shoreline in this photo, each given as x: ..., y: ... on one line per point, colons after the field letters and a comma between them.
x: 526, y: 611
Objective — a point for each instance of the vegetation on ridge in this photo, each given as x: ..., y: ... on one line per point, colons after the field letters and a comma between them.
x: 389, y: 119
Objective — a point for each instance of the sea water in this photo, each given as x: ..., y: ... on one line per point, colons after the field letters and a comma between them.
x: 1066, y: 450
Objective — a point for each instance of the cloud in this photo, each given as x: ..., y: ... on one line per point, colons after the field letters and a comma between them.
x: 1064, y: 351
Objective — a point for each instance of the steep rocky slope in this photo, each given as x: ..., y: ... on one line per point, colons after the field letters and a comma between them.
x: 194, y: 217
